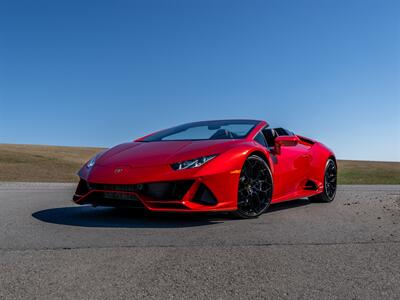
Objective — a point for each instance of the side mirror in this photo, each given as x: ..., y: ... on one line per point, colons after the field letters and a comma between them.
x: 285, y: 140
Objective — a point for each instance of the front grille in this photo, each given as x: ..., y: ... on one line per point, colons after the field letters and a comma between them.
x: 113, y: 199
x: 120, y: 196
x: 169, y: 190
x: 114, y: 187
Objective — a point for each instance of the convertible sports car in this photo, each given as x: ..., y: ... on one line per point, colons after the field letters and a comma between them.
x: 228, y: 165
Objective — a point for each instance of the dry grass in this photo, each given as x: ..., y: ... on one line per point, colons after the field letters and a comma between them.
x: 42, y: 163
x: 60, y: 164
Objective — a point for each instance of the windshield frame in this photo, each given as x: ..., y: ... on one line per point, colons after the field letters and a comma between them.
x: 159, y: 135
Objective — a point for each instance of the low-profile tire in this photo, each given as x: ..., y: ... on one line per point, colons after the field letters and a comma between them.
x: 330, y: 183
x: 255, y: 188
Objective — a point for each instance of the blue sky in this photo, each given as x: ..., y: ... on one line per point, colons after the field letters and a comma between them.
x: 97, y: 73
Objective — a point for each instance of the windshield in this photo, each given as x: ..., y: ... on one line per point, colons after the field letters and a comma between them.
x: 211, y: 130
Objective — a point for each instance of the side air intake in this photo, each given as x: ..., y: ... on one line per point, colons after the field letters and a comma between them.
x: 204, y: 196
x: 310, y: 185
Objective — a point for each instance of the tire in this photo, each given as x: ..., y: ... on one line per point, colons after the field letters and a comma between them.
x: 330, y: 183
x: 255, y: 188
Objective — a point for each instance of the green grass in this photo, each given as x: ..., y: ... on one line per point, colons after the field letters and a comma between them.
x: 34, y: 163
x: 368, y: 172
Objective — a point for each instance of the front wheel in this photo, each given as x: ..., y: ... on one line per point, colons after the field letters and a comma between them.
x: 330, y: 183
x: 255, y: 188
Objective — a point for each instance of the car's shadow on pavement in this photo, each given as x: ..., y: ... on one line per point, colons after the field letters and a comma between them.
x: 87, y: 216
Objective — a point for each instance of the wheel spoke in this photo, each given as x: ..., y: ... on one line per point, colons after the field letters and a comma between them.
x: 255, y: 202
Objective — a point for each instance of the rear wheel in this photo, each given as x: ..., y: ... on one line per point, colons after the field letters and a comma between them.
x: 255, y: 188
x: 330, y: 183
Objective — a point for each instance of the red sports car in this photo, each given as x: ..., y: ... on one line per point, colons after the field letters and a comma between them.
x: 228, y: 165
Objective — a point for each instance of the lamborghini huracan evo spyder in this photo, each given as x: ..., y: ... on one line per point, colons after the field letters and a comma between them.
x: 230, y: 165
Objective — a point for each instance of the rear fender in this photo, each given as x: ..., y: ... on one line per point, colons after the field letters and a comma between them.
x: 320, y: 155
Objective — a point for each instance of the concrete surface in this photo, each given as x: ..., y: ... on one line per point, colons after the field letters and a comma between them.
x: 53, y: 249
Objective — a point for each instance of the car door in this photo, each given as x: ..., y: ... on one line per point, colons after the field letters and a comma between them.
x: 291, y: 166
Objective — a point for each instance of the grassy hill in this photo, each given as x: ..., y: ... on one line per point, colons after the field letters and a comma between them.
x: 60, y: 164
x: 368, y: 172
x: 42, y: 163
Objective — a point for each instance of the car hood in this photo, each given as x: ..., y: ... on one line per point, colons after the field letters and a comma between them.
x: 141, y: 154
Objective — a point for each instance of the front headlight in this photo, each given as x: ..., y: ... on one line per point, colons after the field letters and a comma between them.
x: 93, y: 160
x: 91, y: 163
x: 192, y: 163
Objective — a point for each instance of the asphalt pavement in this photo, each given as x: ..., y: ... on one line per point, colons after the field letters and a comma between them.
x: 51, y: 248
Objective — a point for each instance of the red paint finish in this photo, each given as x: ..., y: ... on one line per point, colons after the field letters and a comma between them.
x: 294, y: 162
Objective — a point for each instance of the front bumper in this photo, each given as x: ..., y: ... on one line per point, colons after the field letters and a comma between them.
x: 216, y: 192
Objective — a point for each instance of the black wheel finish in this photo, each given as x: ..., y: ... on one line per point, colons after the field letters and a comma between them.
x: 330, y: 183
x: 330, y: 179
x: 255, y: 188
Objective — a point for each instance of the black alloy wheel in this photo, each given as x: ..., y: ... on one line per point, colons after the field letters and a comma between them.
x: 330, y: 183
x: 255, y: 188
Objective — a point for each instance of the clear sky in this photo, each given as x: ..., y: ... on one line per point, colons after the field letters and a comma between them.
x: 98, y: 73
